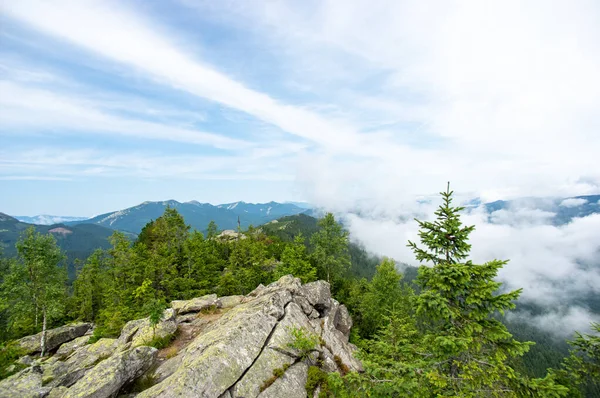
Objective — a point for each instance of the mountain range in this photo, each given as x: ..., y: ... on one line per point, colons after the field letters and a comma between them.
x: 46, y: 219
x: 197, y: 215
x: 76, y: 241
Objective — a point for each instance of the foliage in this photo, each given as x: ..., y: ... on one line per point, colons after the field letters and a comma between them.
x: 443, y: 336
x: 468, y: 348
x: 9, y: 353
x: 581, y: 369
x: 384, y: 293
x: 331, y: 248
x: 303, y: 342
x: 34, y: 289
x: 295, y: 261
x: 315, y: 378
x: 160, y: 341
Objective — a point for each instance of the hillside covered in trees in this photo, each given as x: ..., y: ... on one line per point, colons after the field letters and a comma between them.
x: 442, y: 334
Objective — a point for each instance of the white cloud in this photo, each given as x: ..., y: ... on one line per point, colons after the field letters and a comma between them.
x: 573, y: 202
x: 561, y: 321
x: 56, y: 163
x: 553, y: 264
x: 112, y: 31
x: 57, y: 112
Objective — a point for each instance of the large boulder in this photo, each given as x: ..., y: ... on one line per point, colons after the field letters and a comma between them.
x: 276, y: 354
x: 247, y: 348
x: 107, y: 378
x: 291, y: 385
x: 54, y: 337
x: 318, y: 295
x: 335, y: 340
x: 218, y: 358
x: 25, y: 384
x: 70, y: 347
x: 229, y: 301
x: 195, y: 305
x: 67, y: 372
x: 141, y: 332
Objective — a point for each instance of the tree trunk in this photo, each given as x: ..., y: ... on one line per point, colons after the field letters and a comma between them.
x: 43, y: 339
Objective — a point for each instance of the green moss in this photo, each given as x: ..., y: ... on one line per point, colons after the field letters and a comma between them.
x: 316, y: 377
x: 143, y: 383
x: 277, y: 373
x: 344, y: 369
x: 161, y: 342
x: 211, y: 309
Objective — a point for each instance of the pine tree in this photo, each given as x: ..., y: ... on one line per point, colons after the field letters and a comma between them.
x: 385, y: 293
x: 88, y: 288
x: 467, y: 346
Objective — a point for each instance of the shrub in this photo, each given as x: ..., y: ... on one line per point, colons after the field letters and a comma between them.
x: 161, y: 342
x: 303, y: 342
x: 316, y: 377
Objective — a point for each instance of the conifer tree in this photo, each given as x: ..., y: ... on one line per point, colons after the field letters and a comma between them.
x: 467, y: 346
x: 384, y: 294
x: 295, y: 261
x: 331, y: 248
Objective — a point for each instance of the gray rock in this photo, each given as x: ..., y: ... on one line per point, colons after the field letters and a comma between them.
x: 276, y: 354
x: 336, y: 341
x: 229, y: 301
x: 66, y: 373
x: 24, y: 384
x: 107, y: 378
x: 26, y: 360
x: 57, y: 392
x: 318, y: 295
x: 70, y: 347
x: 215, y: 360
x: 304, y: 304
x: 140, y: 331
x: 342, y: 321
x: 54, y: 337
x: 194, y: 305
x: 187, y: 318
x: 291, y: 385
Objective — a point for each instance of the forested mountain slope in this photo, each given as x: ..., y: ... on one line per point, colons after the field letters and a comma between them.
x: 196, y: 214
x: 77, y: 241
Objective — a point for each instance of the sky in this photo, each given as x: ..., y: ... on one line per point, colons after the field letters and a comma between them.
x: 106, y: 104
x: 357, y: 106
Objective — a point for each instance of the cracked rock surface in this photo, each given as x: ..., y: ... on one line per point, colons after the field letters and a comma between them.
x: 239, y: 347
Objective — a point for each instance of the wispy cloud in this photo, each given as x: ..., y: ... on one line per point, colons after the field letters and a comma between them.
x: 68, y: 113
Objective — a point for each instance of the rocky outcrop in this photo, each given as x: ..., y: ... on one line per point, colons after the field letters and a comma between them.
x: 141, y: 332
x: 194, y: 305
x: 252, y: 341
x: 244, y: 346
x: 66, y: 373
x: 109, y: 376
x: 25, y: 384
x: 54, y: 337
x: 70, y: 347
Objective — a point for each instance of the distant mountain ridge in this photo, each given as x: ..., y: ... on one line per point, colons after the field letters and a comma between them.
x: 46, y: 219
x: 555, y: 211
x: 77, y: 241
x: 196, y: 214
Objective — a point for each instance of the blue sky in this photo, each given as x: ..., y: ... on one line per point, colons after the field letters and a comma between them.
x: 106, y: 104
